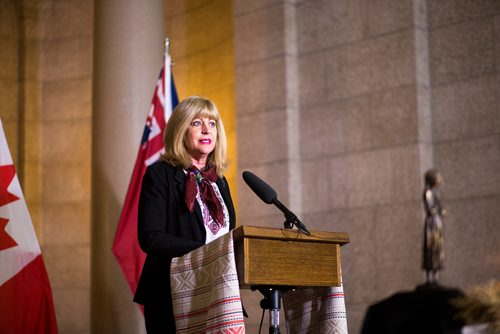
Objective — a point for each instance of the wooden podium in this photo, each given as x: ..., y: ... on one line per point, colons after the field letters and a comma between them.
x: 286, y: 257
x: 274, y: 261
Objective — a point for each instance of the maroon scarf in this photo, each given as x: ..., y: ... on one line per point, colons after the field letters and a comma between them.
x: 207, y: 192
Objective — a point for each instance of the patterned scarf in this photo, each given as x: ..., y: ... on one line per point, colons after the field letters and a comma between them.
x: 207, y: 192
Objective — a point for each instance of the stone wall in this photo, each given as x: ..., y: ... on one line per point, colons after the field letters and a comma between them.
x: 201, y: 35
x: 386, y: 90
x: 464, y: 40
x: 46, y: 107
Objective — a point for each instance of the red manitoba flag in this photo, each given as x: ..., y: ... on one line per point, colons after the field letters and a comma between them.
x: 26, y: 304
x: 126, y: 247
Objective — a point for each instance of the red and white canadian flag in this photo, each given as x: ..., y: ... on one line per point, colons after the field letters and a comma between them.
x: 26, y: 304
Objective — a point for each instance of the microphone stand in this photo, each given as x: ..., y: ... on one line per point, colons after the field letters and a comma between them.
x: 290, y: 218
x: 273, y: 294
x: 272, y: 302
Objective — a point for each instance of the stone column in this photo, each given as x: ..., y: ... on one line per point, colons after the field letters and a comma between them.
x: 127, y: 60
x: 267, y: 100
x: 267, y: 105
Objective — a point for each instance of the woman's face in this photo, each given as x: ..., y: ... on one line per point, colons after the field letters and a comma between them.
x: 201, y: 137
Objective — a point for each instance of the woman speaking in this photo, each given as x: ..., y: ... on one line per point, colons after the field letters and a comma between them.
x: 184, y: 203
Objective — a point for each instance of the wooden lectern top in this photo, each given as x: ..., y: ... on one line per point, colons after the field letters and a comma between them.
x: 286, y: 257
x: 248, y: 231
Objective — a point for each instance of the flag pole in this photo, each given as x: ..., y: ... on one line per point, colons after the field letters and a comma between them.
x: 167, y: 80
x: 126, y: 246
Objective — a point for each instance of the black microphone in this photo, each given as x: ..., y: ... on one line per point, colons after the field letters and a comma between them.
x: 268, y: 195
x: 262, y: 189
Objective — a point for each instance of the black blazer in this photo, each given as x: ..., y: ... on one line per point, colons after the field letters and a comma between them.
x: 166, y: 228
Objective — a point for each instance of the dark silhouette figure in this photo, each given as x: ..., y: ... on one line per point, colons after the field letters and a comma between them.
x: 425, y: 310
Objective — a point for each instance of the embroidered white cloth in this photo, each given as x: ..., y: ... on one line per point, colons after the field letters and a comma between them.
x: 205, y: 290
x: 315, y: 310
x: 206, y: 296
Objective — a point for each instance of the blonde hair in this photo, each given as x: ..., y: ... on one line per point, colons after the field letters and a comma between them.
x: 177, y: 127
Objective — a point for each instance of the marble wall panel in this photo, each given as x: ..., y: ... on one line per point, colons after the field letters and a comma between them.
x: 219, y: 66
x: 66, y: 19
x: 262, y: 138
x: 424, y: 112
x: 32, y: 183
x: 335, y: 128
x: 68, y: 224
x: 66, y: 141
x: 322, y: 131
x: 68, y: 99
x: 462, y: 51
x: 315, y: 185
x: 312, y: 84
x: 66, y: 58
x: 31, y: 102
x: 358, y: 123
x: 422, y: 72
x: 33, y: 12
x: 260, y: 35
x: 385, y: 16
x: 34, y: 139
x: 375, y: 177
x: 471, y: 240
x: 187, y: 72
x: 9, y: 58
x: 72, y: 313
x: 443, y: 13
x: 178, y: 7
x: 9, y: 97
x: 470, y: 167
x: 329, y: 23
x: 407, y: 164
x: 198, y: 26
x: 466, y: 109
x: 398, y: 235
x: 9, y: 20
x: 497, y: 40
x: 420, y: 14
x: 31, y: 69
x: 66, y: 182
x: 261, y: 86
x: 394, y: 117
x: 68, y: 271
x: 359, y: 257
x: 360, y: 179
x: 70, y: 277
x: 376, y: 64
x: 243, y: 6
x: 36, y: 210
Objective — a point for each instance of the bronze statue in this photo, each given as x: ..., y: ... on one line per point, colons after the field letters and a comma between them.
x: 433, y: 252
